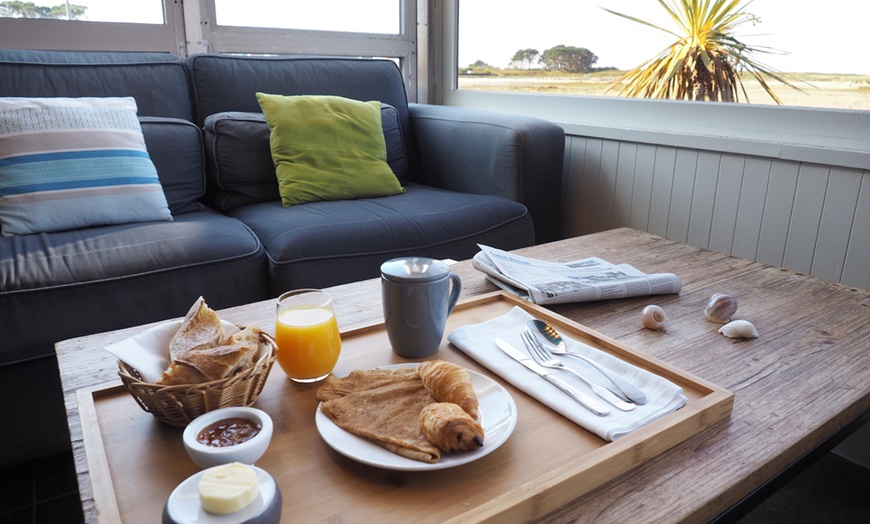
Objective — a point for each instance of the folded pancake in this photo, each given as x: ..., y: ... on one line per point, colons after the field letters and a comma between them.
x: 386, y: 410
x: 363, y: 380
x: 200, y: 329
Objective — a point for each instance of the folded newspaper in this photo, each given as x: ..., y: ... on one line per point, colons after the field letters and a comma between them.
x: 582, y: 280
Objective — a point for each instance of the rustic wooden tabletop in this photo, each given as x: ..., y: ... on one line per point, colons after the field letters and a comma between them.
x: 805, y: 377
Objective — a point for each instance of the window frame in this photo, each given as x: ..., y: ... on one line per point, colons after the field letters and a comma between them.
x: 830, y: 136
x: 76, y: 35
x: 189, y: 28
x: 215, y: 38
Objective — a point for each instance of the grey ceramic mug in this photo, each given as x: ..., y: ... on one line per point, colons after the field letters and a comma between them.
x: 418, y: 295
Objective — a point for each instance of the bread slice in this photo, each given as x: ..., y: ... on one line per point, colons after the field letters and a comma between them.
x: 200, y: 329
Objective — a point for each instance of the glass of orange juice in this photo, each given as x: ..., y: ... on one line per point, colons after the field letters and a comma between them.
x: 307, y: 335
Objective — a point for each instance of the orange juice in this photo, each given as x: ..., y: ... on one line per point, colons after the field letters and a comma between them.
x: 308, y: 342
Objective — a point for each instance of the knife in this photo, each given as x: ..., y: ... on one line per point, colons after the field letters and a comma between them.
x: 582, y: 398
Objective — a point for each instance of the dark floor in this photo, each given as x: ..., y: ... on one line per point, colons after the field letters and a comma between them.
x: 833, y: 490
x: 43, y: 491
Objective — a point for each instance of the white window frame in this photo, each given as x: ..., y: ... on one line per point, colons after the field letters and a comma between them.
x: 75, y: 35
x: 190, y: 28
x: 206, y: 36
x: 831, y: 136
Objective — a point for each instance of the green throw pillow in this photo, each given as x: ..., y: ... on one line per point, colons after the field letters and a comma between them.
x: 327, y: 148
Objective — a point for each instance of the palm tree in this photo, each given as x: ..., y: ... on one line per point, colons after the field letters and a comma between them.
x: 706, y: 60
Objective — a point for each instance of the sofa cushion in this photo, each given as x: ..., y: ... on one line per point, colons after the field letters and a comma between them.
x: 327, y: 148
x: 327, y: 243
x: 100, y: 74
x: 175, y: 147
x: 239, y: 159
x: 110, y: 277
x: 68, y: 163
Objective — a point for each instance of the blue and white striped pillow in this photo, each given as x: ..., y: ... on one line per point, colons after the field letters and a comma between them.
x: 69, y: 163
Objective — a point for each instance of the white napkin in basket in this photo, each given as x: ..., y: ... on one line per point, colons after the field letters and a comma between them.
x: 148, y: 351
x: 478, y: 342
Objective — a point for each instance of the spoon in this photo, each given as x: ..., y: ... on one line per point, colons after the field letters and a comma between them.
x: 557, y: 346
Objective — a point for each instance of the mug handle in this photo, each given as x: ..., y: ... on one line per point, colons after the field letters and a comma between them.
x: 456, y: 288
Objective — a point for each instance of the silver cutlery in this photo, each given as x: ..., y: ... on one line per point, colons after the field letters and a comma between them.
x: 583, y: 399
x: 557, y: 346
x: 543, y: 358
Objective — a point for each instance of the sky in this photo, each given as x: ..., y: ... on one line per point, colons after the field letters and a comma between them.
x: 824, y: 37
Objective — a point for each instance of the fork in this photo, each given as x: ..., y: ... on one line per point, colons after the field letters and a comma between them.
x: 543, y: 357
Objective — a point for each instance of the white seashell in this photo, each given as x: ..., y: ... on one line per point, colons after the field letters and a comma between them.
x: 653, y: 317
x: 721, y: 308
x: 739, y: 329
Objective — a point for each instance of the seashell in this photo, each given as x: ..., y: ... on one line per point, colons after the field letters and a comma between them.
x: 739, y: 329
x: 720, y: 308
x: 653, y: 317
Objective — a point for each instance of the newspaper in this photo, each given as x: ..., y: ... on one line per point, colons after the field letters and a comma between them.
x: 582, y: 280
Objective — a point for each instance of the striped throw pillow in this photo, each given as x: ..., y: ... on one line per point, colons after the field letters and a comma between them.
x: 70, y: 163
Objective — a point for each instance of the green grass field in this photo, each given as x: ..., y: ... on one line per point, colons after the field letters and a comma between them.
x: 819, y: 90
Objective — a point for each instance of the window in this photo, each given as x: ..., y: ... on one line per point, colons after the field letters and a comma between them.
x: 105, y: 25
x: 840, y: 137
x: 374, y: 28
x: 371, y: 16
x: 130, y: 11
x: 818, y: 47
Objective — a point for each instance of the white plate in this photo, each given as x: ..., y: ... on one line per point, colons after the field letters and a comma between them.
x: 183, y: 505
x: 498, y: 416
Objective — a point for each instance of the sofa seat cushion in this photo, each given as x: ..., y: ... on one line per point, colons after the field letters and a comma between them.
x: 320, y: 244
x: 68, y: 274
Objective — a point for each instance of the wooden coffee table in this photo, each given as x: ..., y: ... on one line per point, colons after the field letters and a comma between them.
x: 803, y: 380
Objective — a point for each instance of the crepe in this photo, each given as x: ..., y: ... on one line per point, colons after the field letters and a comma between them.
x: 391, y: 407
x: 388, y: 415
x: 363, y: 380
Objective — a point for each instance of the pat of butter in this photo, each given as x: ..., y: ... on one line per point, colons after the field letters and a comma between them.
x: 228, y: 488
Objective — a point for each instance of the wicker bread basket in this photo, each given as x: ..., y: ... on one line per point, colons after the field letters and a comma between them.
x: 179, y: 404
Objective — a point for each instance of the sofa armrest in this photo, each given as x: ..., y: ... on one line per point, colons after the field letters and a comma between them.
x: 475, y: 151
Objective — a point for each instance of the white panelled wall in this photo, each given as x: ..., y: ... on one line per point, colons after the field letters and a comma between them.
x: 808, y: 217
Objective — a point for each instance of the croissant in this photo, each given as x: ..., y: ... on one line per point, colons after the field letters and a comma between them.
x: 449, y: 428
x: 448, y: 382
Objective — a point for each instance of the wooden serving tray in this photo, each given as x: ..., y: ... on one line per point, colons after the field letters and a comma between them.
x: 135, y: 461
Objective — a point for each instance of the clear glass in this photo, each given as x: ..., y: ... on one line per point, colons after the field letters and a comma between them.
x: 355, y: 16
x: 128, y: 11
x: 307, y: 335
x: 815, y: 47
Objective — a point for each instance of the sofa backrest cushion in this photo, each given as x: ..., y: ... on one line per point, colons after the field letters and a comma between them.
x: 158, y: 81
x: 175, y: 147
x: 224, y: 83
x: 239, y: 159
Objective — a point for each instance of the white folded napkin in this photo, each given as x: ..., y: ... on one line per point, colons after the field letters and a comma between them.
x: 148, y: 352
x: 478, y: 342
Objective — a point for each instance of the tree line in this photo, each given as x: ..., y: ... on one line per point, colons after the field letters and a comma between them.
x: 66, y: 11
x: 569, y: 59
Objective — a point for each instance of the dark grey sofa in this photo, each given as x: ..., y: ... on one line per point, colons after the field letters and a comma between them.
x: 471, y: 177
